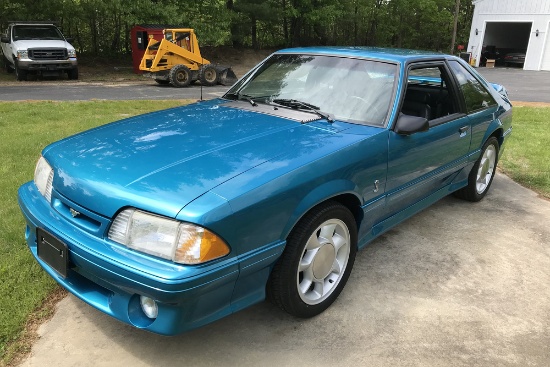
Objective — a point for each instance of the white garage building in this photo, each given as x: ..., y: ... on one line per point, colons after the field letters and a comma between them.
x: 512, y: 26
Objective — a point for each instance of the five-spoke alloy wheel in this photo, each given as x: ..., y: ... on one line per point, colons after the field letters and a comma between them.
x: 481, y: 175
x: 317, y: 261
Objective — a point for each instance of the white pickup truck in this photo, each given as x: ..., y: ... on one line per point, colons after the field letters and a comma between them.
x: 38, y: 48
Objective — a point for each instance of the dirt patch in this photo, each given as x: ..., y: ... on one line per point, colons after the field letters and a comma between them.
x: 240, y: 60
x: 101, y: 71
x: 530, y: 104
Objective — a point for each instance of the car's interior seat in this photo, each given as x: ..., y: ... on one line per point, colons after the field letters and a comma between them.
x: 417, y: 104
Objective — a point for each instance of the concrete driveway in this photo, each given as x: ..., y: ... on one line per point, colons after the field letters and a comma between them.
x: 459, y: 284
x: 78, y: 91
x: 522, y: 85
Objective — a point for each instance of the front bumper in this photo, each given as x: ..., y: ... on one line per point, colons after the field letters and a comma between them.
x: 48, y: 65
x: 187, y: 296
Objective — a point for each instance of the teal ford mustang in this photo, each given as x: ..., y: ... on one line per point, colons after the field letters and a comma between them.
x: 173, y: 219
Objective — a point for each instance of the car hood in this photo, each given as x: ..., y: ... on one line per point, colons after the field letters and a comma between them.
x: 26, y: 44
x: 161, y: 161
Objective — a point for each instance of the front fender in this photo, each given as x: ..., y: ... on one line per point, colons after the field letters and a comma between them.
x: 320, y: 194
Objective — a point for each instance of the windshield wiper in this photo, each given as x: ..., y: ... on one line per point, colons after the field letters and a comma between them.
x: 248, y: 98
x: 294, y: 103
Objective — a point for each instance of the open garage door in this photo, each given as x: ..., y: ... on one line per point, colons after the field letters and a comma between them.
x: 502, y: 39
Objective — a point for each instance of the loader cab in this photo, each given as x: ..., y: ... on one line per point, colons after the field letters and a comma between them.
x: 179, y: 37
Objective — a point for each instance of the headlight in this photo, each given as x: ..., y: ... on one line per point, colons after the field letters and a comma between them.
x: 43, y: 178
x: 170, y: 239
x: 71, y: 53
x: 22, y: 54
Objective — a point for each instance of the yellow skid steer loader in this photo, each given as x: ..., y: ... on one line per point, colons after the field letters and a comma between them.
x: 177, y: 60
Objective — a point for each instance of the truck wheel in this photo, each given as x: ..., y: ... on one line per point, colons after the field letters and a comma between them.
x: 180, y: 76
x: 20, y: 75
x: 73, y: 74
x: 208, y: 75
x: 7, y: 66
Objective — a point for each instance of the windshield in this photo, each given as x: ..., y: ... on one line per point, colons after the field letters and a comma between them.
x: 36, y: 32
x: 352, y: 90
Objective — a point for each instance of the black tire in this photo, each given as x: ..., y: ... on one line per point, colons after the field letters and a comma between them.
x: 20, y: 75
x: 482, y: 174
x: 296, y: 291
x: 162, y: 82
x: 180, y: 76
x: 208, y: 75
x: 73, y: 74
x: 7, y: 65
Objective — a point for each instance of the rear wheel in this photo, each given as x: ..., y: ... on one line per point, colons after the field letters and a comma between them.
x: 180, y: 76
x: 208, y: 75
x: 7, y: 65
x: 481, y: 175
x: 317, y: 261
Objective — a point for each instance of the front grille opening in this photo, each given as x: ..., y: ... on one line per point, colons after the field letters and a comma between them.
x: 48, y: 54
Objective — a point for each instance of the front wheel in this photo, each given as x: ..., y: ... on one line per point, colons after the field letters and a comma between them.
x: 20, y: 75
x: 208, y: 75
x: 481, y: 175
x: 317, y: 261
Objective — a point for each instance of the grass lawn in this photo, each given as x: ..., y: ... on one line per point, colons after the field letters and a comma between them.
x: 526, y: 157
x: 26, y: 128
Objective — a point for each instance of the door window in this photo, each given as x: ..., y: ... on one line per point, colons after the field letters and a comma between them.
x: 429, y: 93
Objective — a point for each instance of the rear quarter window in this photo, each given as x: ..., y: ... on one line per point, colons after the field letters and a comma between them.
x: 475, y: 94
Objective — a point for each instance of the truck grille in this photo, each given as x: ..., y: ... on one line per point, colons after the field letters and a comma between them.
x: 48, y: 53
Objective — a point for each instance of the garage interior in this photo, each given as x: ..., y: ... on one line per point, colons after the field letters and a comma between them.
x: 502, y: 38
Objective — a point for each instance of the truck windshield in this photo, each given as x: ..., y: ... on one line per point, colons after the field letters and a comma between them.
x: 36, y: 32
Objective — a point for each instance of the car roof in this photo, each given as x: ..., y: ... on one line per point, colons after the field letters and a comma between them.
x: 378, y: 53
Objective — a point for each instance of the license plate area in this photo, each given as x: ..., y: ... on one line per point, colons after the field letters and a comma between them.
x: 52, y: 251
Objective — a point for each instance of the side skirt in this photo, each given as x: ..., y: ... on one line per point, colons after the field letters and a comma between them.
x: 405, y: 214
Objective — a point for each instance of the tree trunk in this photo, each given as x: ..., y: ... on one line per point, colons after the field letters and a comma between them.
x: 254, y: 31
x: 453, y: 40
x: 285, y: 23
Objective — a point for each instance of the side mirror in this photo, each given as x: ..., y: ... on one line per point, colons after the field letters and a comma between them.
x: 4, y: 39
x: 407, y: 125
x: 69, y: 39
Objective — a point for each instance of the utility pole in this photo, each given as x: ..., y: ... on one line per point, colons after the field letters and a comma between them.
x: 454, y: 26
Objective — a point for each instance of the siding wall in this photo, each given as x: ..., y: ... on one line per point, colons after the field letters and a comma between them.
x: 513, y: 7
x: 536, y: 12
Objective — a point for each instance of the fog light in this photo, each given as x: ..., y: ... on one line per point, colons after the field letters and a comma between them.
x: 149, y: 307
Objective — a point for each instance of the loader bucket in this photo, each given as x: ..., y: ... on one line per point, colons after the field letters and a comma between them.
x: 227, y: 76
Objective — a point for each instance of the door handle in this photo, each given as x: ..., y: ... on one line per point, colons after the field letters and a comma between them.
x: 463, y: 130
